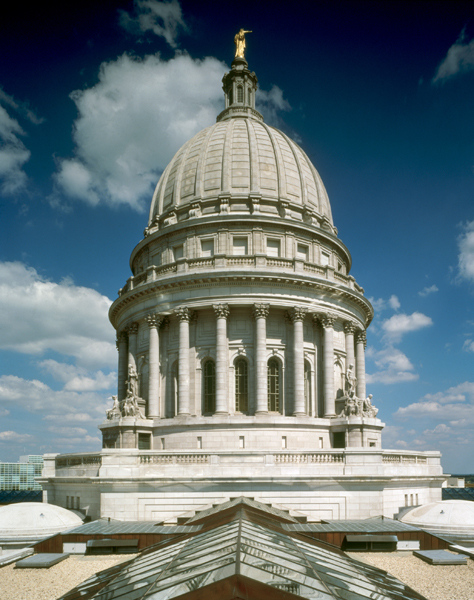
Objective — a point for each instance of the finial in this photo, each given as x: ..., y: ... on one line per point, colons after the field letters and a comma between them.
x: 239, y: 41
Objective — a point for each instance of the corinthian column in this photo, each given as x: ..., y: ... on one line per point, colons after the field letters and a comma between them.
x: 361, y: 341
x: 327, y: 321
x: 122, y: 364
x: 349, y: 330
x: 297, y: 315
x: 154, y: 322
x: 260, y: 313
x: 183, y: 358
x: 222, y: 312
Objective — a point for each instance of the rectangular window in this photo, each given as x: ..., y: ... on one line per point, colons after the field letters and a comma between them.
x: 273, y: 247
x: 178, y: 252
x: 411, y: 499
x: 241, y: 442
x: 144, y: 441
x: 240, y: 246
x: 162, y: 443
x: 207, y: 247
x: 199, y: 443
x: 302, y: 252
x: 417, y: 500
x: 406, y: 499
x: 67, y: 501
x: 321, y: 443
x: 324, y: 258
x: 283, y: 442
x: 78, y: 502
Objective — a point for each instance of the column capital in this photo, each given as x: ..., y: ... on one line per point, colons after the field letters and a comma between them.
x: 122, y: 337
x: 361, y: 337
x: 221, y: 310
x: 325, y: 319
x: 349, y: 327
x: 298, y: 313
x: 154, y: 319
x: 183, y: 313
x: 261, y: 311
x: 132, y: 329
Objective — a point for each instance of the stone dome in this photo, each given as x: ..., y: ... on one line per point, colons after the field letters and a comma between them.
x: 241, y: 157
x: 35, y: 520
x: 443, y: 517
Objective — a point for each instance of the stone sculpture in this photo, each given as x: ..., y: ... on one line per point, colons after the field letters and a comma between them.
x: 114, y: 412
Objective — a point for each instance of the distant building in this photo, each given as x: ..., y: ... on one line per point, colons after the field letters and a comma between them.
x: 21, y: 475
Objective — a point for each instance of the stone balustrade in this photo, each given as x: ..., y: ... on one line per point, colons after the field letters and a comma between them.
x: 225, y: 262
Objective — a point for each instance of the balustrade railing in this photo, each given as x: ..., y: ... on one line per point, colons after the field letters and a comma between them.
x: 309, y: 458
x: 180, y: 459
x: 406, y: 459
x: 76, y: 461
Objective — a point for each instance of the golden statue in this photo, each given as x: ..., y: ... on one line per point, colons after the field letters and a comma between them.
x: 239, y: 41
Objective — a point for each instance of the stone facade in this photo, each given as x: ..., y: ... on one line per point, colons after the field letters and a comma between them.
x: 241, y: 340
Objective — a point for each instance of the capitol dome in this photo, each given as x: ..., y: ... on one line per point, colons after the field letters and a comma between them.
x: 239, y: 157
x: 241, y: 341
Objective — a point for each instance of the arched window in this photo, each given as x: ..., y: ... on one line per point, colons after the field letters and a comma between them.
x: 273, y: 385
x: 241, y: 386
x: 231, y: 97
x: 209, y: 387
x: 240, y: 94
x: 249, y: 96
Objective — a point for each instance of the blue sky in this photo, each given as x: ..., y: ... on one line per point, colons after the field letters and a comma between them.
x: 97, y: 97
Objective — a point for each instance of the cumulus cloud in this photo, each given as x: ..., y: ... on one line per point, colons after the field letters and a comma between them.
x: 466, y: 252
x: 271, y: 103
x: 459, y: 59
x: 426, y: 291
x: 468, y: 346
x: 36, y: 397
x: 77, y: 379
x: 398, y: 325
x: 381, y: 304
x: 394, y: 367
x: 162, y: 18
x: 14, y: 437
x: 132, y: 122
x: 453, y: 407
x: 38, y: 315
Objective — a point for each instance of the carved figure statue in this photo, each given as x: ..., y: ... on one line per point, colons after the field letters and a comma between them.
x: 130, y: 407
x: 350, y: 381
x: 239, y: 41
x: 369, y: 409
x: 114, y: 412
x: 132, y: 381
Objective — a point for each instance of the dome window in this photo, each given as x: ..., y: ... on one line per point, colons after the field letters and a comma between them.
x: 207, y: 248
x: 273, y: 247
x: 240, y: 246
x: 178, y: 252
x: 240, y: 94
x: 273, y: 372
x: 241, y: 386
x: 302, y: 252
x: 209, y: 387
x: 249, y: 96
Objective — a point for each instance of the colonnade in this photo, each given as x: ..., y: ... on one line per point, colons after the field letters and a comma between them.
x: 355, y: 342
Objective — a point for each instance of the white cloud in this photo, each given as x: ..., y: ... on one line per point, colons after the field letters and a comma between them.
x: 380, y: 304
x: 270, y: 104
x: 12, y: 436
x: 76, y: 379
x: 35, y: 396
x: 394, y: 302
x: 426, y: 291
x: 399, y: 324
x: 453, y: 407
x: 466, y: 252
x: 13, y: 154
x: 394, y: 367
x: 132, y: 122
x: 163, y: 18
x: 68, y: 431
x: 468, y: 346
x: 459, y: 59
x: 38, y: 315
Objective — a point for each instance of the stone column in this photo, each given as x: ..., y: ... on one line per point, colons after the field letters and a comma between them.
x: 297, y: 315
x: 122, y: 364
x: 154, y: 322
x: 327, y: 321
x: 260, y: 313
x: 349, y: 330
x: 183, y: 315
x: 222, y: 401
x: 361, y: 341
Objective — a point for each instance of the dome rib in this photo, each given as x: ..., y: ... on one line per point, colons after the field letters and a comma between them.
x: 301, y: 175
